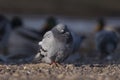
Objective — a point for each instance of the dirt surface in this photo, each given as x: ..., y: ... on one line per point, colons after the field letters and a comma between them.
x: 63, y: 72
x: 70, y: 72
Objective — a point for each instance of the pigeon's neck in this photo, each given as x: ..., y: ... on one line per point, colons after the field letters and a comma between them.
x: 99, y: 27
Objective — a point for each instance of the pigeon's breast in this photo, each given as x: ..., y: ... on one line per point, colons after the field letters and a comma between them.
x: 52, y: 46
x: 48, y: 44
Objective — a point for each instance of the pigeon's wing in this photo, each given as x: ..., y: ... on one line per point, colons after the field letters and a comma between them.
x: 45, y: 47
x: 48, y: 34
x: 47, y: 44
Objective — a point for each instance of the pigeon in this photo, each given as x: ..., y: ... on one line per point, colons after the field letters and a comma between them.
x: 23, y: 40
x: 106, y: 40
x: 57, y: 45
x: 22, y: 44
x: 5, y: 30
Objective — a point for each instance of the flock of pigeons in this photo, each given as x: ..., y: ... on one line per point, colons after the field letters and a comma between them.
x: 54, y: 43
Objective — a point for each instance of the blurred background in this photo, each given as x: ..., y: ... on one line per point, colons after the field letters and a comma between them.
x: 79, y: 12
x: 78, y: 8
x: 80, y: 16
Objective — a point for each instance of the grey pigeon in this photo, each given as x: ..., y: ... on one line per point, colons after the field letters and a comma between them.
x: 106, y: 42
x: 57, y: 45
x: 23, y: 41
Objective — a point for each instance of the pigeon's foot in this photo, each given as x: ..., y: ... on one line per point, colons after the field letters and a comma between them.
x: 55, y: 64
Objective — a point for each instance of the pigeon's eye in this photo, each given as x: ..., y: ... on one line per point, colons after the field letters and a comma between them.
x: 62, y: 31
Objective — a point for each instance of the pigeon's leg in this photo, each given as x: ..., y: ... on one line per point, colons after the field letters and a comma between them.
x: 55, y: 64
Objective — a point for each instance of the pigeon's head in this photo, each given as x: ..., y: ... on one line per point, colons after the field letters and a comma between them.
x: 50, y: 23
x: 60, y: 28
x: 100, y: 24
x: 16, y: 22
x: 62, y: 33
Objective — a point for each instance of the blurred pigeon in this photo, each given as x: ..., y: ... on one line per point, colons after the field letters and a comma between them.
x: 106, y: 41
x: 56, y: 45
x: 22, y: 43
x: 23, y: 40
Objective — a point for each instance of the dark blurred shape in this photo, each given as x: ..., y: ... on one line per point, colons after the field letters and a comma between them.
x: 16, y: 22
x: 50, y: 23
x: 5, y: 30
x: 2, y: 25
x: 2, y: 17
x: 83, y: 36
x: 100, y: 24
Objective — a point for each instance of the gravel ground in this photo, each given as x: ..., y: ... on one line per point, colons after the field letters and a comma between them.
x: 86, y: 68
x: 44, y: 71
